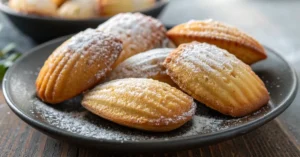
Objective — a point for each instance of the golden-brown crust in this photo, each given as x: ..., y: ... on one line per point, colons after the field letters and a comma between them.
x: 148, y: 64
x: 234, y: 41
x: 37, y: 7
x: 140, y: 103
x: 77, y: 65
x: 216, y: 78
x: 138, y: 33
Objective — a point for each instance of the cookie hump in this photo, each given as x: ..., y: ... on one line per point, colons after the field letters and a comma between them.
x: 148, y: 64
x: 138, y: 33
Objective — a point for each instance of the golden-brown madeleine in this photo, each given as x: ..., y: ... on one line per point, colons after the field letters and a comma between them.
x: 37, y: 7
x: 58, y: 2
x: 77, y: 65
x: 79, y: 9
x: 216, y: 78
x: 113, y: 7
x: 138, y: 33
x: 140, y: 103
x: 148, y: 64
x: 224, y: 36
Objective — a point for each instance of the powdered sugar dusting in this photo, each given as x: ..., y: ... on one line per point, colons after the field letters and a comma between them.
x: 137, y: 31
x: 100, y: 48
x: 95, y: 41
x: 143, y: 65
x: 76, y: 120
x: 194, y: 51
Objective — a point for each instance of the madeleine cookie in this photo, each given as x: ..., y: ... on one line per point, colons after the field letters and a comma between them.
x: 58, y: 2
x: 77, y: 65
x: 216, y: 78
x: 138, y: 33
x: 148, y: 64
x: 113, y: 7
x: 38, y: 7
x: 140, y: 103
x: 80, y: 9
x: 226, y: 37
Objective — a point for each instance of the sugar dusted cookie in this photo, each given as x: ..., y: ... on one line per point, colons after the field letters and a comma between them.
x: 140, y: 103
x: 77, y: 65
x: 216, y: 78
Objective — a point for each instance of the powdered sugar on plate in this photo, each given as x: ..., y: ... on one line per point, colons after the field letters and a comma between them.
x: 71, y: 117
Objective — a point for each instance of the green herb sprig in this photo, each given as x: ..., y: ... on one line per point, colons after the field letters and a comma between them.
x: 8, y: 56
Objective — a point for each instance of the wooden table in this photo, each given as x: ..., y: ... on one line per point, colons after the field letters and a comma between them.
x: 274, y: 23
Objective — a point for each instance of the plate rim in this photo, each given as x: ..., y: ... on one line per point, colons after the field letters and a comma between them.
x: 184, y: 142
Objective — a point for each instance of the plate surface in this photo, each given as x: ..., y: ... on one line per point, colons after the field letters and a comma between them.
x: 69, y: 121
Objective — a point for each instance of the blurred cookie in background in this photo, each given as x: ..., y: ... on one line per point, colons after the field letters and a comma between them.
x: 78, y: 9
x: 37, y: 7
x: 58, y: 2
x: 113, y: 7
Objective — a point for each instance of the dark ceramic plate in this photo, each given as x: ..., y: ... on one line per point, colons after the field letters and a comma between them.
x: 42, y: 29
x: 69, y: 121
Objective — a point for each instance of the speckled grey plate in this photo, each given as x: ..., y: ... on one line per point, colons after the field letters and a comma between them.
x: 69, y: 121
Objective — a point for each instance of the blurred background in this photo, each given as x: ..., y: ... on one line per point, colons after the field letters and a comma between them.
x: 275, y: 23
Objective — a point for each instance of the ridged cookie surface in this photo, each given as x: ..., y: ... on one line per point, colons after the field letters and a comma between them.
x: 216, y: 78
x: 77, y: 65
x: 148, y: 64
x: 140, y: 103
x: 138, y: 33
x: 224, y: 36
